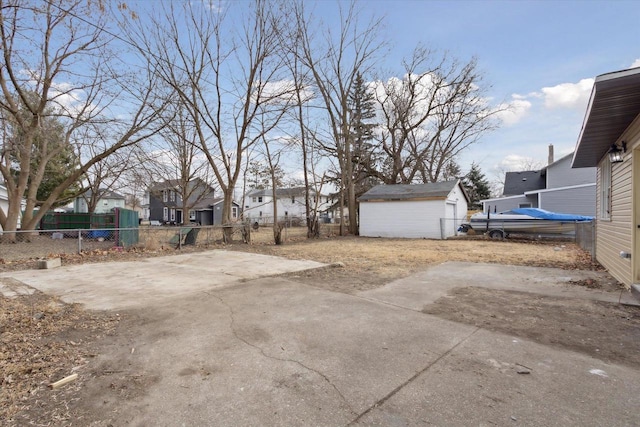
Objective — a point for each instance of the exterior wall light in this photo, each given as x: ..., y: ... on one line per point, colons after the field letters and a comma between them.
x: 615, y: 152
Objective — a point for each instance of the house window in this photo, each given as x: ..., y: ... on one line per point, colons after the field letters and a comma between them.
x: 234, y: 212
x: 605, y: 189
x: 260, y: 213
x: 293, y: 199
x: 172, y: 212
x: 164, y: 195
x: 172, y: 196
x: 165, y: 214
x: 259, y: 199
x: 253, y: 199
x: 192, y: 215
x: 524, y: 205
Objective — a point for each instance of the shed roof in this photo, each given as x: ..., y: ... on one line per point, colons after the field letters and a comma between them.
x: 614, y: 104
x: 280, y: 192
x: 435, y: 190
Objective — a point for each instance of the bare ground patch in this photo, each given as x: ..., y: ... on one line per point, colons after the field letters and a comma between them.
x: 609, y: 332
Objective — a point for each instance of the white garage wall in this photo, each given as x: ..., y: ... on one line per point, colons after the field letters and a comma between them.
x: 409, y: 219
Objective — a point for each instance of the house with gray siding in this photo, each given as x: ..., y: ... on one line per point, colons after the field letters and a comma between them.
x: 202, y: 207
x: 610, y: 141
x: 557, y: 188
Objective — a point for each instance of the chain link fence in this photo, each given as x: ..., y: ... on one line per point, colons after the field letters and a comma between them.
x: 586, y: 237
x: 43, y: 244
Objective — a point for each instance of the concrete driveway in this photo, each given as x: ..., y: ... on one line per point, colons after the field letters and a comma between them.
x: 271, y: 351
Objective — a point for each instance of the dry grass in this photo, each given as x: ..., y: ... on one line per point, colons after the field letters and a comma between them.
x: 401, y: 257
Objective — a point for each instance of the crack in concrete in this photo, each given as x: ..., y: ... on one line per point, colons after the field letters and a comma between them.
x: 280, y: 359
x: 411, y: 379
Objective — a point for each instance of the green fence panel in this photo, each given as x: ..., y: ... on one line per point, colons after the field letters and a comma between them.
x: 127, y: 219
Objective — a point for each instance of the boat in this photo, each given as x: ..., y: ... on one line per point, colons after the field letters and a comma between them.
x: 524, y: 221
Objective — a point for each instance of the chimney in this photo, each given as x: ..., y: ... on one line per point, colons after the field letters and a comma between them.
x: 550, y: 154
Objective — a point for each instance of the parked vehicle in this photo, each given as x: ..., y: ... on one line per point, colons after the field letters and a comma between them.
x: 523, y: 220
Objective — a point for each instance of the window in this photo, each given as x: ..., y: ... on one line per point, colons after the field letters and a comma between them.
x: 259, y: 199
x: 253, y: 199
x: 165, y: 214
x: 172, y: 212
x: 260, y: 213
x: 172, y: 196
x: 234, y: 212
x: 524, y: 205
x: 164, y: 195
x: 293, y: 199
x: 192, y: 215
x: 605, y: 188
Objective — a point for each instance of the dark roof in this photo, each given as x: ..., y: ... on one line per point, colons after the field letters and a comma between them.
x: 280, y: 192
x: 170, y: 184
x: 614, y: 104
x: 521, y: 182
x: 104, y: 194
x: 410, y: 191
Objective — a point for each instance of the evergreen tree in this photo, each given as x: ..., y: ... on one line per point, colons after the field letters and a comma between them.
x: 362, y: 110
x: 50, y: 154
x: 451, y: 171
x: 476, y: 185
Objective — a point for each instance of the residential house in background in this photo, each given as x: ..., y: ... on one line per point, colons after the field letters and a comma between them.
x: 432, y: 211
x: 165, y: 204
x: 107, y: 201
x: 610, y: 141
x: 290, y: 204
x: 4, y: 202
x: 556, y: 187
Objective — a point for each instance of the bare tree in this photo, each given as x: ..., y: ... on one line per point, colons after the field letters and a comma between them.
x: 56, y: 62
x: 428, y: 117
x: 227, y: 74
x: 334, y: 64
x: 175, y: 159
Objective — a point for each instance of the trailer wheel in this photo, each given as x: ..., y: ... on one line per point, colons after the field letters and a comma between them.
x: 496, y: 234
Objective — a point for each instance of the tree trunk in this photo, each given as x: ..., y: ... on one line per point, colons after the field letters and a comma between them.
x: 227, y: 226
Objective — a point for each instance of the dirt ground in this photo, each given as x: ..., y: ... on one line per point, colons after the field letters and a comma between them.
x: 42, y: 338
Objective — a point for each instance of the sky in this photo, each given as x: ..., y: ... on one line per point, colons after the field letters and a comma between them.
x: 540, y: 56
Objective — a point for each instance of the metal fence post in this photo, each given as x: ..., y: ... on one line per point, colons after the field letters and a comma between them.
x: 180, y: 238
x: 79, y: 241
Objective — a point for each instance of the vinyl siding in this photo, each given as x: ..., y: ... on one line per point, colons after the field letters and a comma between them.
x: 560, y: 174
x: 412, y: 218
x: 508, y: 203
x: 616, y: 235
x: 576, y: 201
x: 409, y: 219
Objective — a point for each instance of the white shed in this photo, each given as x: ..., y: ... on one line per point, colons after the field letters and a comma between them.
x: 432, y: 211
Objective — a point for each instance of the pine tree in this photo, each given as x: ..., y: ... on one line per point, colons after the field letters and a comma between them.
x: 451, y: 171
x: 476, y: 185
x: 362, y: 110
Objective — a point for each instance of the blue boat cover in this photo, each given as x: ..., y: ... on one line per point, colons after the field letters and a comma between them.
x: 543, y: 214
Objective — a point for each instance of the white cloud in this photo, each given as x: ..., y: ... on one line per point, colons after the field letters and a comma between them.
x: 511, y: 112
x: 282, y: 92
x: 636, y: 63
x: 516, y: 162
x: 568, y: 95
